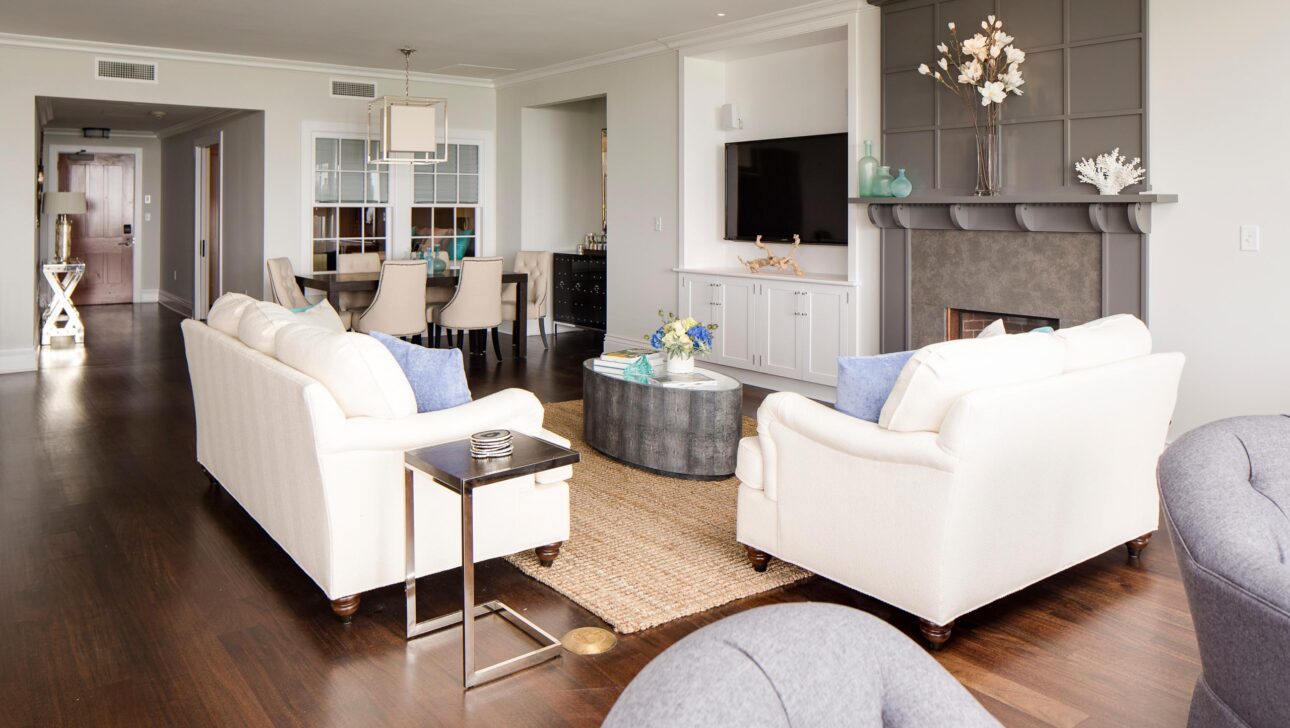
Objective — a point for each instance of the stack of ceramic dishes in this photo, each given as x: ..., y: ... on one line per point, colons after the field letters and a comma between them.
x: 490, y: 444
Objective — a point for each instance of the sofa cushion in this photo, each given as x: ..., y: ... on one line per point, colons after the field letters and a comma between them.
x: 260, y: 322
x: 937, y: 375
x: 996, y: 328
x: 437, y: 376
x: 226, y: 313
x: 358, y: 371
x: 1105, y: 341
x: 865, y: 382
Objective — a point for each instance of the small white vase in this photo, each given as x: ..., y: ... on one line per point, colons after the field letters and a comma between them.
x: 680, y: 364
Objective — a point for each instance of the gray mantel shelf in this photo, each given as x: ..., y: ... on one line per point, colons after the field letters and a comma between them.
x: 1061, y: 212
x: 1037, y: 199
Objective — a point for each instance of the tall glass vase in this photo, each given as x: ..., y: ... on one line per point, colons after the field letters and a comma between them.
x: 989, y: 161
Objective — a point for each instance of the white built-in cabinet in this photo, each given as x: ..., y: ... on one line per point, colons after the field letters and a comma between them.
x: 780, y: 326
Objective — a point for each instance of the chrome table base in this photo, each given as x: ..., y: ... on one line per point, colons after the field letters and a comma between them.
x: 471, y: 675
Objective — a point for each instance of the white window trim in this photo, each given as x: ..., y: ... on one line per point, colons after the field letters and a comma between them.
x: 398, y: 227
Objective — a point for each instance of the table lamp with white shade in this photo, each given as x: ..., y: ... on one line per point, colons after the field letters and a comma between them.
x: 62, y: 205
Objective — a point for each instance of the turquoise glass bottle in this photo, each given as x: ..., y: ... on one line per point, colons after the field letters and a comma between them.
x: 868, y: 170
x: 882, y: 185
x: 901, y: 186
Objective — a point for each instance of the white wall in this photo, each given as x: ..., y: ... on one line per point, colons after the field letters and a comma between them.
x: 641, y: 115
x: 147, y: 232
x: 1218, y: 140
x: 289, y: 98
x: 560, y: 173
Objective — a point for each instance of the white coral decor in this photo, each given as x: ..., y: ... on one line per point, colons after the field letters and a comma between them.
x: 1110, y: 173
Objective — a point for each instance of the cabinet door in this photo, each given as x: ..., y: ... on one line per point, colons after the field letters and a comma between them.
x: 826, y: 316
x: 780, y: 330
x: 732, y: 312
x: 697, y: 295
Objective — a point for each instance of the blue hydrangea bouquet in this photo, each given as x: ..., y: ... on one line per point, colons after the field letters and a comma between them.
x: 682, y: 340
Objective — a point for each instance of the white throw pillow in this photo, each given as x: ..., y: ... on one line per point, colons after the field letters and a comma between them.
x: 261, y: 321
x: 358, y: 370
x: 996, y: 328
x: 1105, y: 341
x: 938, y: 375
x: 226, y: 312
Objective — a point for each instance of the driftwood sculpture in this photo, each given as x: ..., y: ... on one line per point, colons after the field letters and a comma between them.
x: 774, y: 261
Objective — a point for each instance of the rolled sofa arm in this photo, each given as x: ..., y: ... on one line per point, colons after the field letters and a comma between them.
x: 512, y: 409
x: 840, y: 432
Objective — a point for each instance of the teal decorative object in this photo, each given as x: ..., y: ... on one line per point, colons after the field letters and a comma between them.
x: 882, y: 186
x: 639, y: 371
x: 461, y: 243
x: 440, y: 265
x: 868, y: 170
x: 901, y: 186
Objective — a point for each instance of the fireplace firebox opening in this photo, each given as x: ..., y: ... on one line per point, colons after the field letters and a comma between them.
x: 962, y: 323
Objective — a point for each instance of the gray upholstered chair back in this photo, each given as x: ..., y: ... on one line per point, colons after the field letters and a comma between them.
x: 399, y: 308
x: 478, y: 301
x: 357, y: 263
x: 282, y: 281
x: 796, y: 665
x: 1226, y: 490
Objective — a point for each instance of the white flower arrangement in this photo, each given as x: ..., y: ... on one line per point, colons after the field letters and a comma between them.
x: 1110, y: 172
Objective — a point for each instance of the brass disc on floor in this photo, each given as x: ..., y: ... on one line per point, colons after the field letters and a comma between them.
x: 589, y: 640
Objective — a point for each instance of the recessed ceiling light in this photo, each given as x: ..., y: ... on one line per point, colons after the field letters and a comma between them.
x: 721, y: 15
x: 157, y: 114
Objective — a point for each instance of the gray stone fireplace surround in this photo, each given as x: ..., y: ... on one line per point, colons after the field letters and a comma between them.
x: 1069, y: 258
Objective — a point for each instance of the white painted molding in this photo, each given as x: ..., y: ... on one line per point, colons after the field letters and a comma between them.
x: 149, y: 295
x: 175, y: 303
x: 59, y: 131
x: 197, y: 123
x: 639, y: 50
x: 18, y: 360
x: 227, y: 59
x: 770, y: 26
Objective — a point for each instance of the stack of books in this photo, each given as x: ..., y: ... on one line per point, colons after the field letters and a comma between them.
x: 614, y: 362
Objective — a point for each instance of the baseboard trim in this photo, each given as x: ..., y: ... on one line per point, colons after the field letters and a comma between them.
x: 149, y: 295
x: 22, y: 359
x: 175, y: 303
x: 821, y: 392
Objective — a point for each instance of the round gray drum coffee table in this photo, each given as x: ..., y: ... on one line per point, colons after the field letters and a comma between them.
x: 682, y: 432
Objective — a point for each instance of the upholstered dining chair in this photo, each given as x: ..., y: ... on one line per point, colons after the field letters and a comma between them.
x: 357, y: 301
x: 282, y: 281
x: 537, y: 264
x: 477, y: 305
x: 399, y: 306
x: 438, y: 294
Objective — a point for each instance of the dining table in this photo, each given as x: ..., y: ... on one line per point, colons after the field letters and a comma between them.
x: 333, y: 284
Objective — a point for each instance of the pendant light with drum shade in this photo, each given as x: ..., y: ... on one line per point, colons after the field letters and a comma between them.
x: 407, y: 129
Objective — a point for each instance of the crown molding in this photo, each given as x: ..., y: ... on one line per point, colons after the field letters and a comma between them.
x: 640, y: 50
x: 197, y: 123
x: 226, y: 59
x: 768, y: 26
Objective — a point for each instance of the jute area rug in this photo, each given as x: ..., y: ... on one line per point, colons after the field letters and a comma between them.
x: 644, y: 549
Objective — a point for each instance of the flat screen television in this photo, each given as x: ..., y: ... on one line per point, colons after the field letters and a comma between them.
x: 776, y: 188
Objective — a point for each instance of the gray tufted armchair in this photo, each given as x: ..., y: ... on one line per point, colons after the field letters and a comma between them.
x: 1226, y: 490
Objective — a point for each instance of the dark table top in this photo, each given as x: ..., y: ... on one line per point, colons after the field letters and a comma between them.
x: 369, y: 280
x: 452, y: 465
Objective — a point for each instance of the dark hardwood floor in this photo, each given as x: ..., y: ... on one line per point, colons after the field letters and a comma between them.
x: 132, y: 594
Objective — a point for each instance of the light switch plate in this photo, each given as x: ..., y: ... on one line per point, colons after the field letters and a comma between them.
x: 1250, y: 238
x: 147, y: 199
x: 658, y: 224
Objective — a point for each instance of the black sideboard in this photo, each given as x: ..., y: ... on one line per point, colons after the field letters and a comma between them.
x: 580, y: 290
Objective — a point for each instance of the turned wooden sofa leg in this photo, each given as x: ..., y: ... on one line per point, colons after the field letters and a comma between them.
x: 547, y: 554
x: 759, y: 559
x: 345, y: 607
x: 1136, y: 546
x: 935, y: 634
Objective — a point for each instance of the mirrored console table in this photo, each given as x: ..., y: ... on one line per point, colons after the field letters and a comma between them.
x: 61, y: 317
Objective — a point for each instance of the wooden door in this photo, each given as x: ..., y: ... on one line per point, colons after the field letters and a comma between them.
x: 104, y: 236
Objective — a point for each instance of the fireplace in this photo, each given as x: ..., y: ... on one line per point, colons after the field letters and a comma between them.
x: 962, y: 323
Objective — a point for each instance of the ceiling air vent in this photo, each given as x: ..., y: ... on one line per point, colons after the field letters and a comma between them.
x: 125, y: 70
x: 353, y: 89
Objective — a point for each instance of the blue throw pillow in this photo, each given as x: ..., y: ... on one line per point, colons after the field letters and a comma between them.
x: 864, y: 382
x: 437, y: 376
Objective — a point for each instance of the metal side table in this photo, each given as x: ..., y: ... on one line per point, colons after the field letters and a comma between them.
x: 451, y: 466
x: 62, y: 279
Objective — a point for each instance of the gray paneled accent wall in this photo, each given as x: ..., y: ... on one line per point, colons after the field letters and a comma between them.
x: 1085, y: 91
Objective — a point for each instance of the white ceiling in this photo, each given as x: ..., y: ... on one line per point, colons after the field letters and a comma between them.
x: 122, y: 115
x: 503, y: 34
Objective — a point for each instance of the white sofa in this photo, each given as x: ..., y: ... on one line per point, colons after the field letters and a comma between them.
x: 996, y: 463
x: 328, y: 485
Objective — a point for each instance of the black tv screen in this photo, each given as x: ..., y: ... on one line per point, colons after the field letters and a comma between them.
x: 776, y: 188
